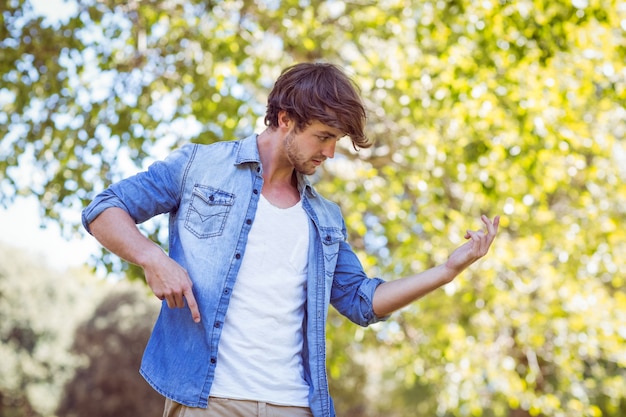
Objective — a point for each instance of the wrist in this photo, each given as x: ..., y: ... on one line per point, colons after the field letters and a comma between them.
x: 149, y: 255
x: 449, y: 272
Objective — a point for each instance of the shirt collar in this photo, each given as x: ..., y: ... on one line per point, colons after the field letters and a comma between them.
x: 248, y: 152
x: 304, y: 185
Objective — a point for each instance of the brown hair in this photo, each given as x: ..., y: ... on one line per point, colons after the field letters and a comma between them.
x: 318, y: 92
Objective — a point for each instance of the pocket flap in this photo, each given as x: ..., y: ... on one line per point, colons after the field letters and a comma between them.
x: 212, y: 195
x: 331, y: 235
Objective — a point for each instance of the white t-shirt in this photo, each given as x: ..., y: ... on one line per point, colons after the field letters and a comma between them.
x: 259, y: 356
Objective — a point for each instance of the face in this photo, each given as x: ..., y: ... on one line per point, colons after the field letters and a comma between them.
x: 308, y: 149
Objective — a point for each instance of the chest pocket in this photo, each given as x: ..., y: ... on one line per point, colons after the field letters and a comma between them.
x: 331, y: 237
x: 208, y: 211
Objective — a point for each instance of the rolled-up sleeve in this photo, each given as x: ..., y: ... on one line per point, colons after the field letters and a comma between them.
x: 146, y: 194
x: 353, y: 291
x: 103, y: 201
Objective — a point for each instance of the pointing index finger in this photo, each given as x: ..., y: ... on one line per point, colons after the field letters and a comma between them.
x: 193, y: 305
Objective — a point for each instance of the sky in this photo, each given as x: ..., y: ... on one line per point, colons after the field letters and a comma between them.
x: 54, y: 9
x: 19, y: 227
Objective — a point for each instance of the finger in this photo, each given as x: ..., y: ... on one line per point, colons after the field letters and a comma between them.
x: 480, y: 242
x: 171, y: 302
x: 473, y: 235
x: 179, y: 301
x: 492, y: 230
x: 496, y: 223
x: 469, y: 234
x: 492, y: 227
x: 193, y: 305
x: 488, y: 225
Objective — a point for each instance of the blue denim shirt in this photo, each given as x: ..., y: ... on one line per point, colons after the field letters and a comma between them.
x: 211, y: 194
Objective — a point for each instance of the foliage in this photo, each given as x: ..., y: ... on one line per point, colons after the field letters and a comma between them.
x: 70, y: 343
x: 475, y: 107
x: 39, y: 310
x: 112, y: 343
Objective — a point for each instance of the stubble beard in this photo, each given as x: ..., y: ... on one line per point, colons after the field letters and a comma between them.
x: 294, y: 156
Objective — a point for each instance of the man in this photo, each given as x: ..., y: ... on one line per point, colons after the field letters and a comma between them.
x: 256, y: 257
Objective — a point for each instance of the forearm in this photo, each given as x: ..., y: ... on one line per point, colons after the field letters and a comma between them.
x: 116, y: 231
x: 393, y: 295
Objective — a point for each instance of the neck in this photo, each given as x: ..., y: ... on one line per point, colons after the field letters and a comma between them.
x: 279, y: 180
x: 276, y: 167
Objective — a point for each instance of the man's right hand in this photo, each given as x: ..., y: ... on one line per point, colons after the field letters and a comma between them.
x: 170, y: 282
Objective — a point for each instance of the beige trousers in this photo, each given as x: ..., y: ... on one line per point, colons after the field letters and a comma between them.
x: 224, y: 407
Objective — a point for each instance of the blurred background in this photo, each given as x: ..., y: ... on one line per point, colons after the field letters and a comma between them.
x: 506, y: 107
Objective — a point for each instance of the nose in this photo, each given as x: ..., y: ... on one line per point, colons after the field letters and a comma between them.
x: 329, y: 150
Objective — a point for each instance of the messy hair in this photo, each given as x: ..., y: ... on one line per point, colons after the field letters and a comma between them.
x: 320, y: 92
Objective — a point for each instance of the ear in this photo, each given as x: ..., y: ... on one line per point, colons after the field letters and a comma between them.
x: 284, y: 120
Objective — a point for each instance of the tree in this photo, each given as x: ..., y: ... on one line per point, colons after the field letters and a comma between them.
x: 494, y: 106
x: 71, y: 343
x: 39, y: 309
x: 111, y: 343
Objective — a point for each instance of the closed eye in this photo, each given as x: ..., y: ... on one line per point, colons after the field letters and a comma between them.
x: 324, y: 138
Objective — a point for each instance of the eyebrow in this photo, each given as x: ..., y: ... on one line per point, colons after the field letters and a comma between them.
x: 329, y: 133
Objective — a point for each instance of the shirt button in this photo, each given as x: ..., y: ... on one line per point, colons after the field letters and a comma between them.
x: 327, y: 237
x: 226, y: 291
x: 238, y: 256
x: 213, y: 360
x: 217, y: 324
x: 255, y: 191
x: 248, y: 221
